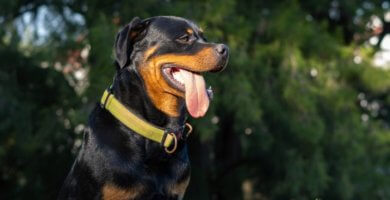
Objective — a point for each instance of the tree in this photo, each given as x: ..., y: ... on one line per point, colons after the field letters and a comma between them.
x: 300, y: 112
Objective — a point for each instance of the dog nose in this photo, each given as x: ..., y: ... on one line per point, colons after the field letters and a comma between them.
x: 222, y: 49
x: 223, y: 53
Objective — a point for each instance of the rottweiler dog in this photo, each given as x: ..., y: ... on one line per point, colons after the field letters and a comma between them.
x: 159, y: 64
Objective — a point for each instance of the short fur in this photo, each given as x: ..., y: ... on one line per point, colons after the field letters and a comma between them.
x: 115, y: 162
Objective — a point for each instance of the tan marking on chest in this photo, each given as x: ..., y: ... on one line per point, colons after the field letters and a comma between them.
x: 112, y: 192
x: 180, y: 188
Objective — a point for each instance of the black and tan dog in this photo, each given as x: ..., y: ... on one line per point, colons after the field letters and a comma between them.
x: 134, y: 147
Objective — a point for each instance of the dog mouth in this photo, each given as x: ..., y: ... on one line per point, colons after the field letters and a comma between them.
x: 192, y: 84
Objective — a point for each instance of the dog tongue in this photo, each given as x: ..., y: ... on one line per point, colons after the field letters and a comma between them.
x: 197, y: 101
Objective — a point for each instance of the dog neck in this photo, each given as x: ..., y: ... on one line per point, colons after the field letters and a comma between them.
x: 129, y: 89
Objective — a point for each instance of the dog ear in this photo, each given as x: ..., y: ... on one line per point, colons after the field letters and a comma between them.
x: 126, y: 38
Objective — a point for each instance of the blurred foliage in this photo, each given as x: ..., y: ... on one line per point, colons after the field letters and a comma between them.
x: 300, y: 112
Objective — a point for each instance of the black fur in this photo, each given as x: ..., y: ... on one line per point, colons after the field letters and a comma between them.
x: 113, y: 154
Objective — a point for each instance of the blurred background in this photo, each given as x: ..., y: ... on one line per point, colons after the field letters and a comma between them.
x: 301, y: 112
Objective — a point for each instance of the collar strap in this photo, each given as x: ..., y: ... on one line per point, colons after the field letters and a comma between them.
x: 135, y: 123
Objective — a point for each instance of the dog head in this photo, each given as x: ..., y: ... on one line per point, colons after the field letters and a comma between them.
x: 170, y: 54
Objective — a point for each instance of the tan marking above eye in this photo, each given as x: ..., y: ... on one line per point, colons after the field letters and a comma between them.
x: 189, y: 31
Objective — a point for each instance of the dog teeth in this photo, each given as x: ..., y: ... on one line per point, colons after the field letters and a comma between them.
x: 177, y: 77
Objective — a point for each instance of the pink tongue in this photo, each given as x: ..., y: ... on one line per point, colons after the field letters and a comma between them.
x: 197, y: 100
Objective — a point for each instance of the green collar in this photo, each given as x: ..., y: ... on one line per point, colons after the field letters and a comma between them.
x: 140, y: 126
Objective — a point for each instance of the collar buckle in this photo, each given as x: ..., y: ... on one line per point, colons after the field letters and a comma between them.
x: 174, y: 147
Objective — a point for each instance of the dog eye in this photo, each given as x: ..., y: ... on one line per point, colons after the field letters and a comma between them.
x: 186, y: 39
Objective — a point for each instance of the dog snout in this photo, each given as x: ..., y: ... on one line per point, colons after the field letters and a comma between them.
x: 223, y: 56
